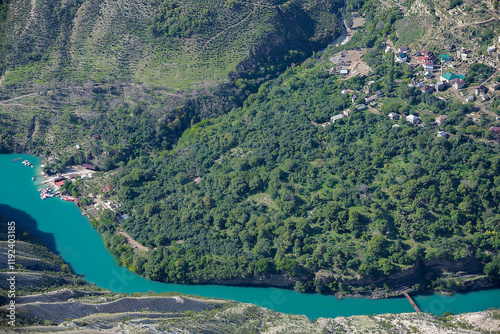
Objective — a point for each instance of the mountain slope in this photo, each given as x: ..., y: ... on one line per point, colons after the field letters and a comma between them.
x: 139, y: 73
x: 364, y: 204
x: 166, y: 43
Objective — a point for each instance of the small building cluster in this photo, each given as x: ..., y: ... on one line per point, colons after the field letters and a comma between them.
x: 433, y: 69
x: 452, y: 80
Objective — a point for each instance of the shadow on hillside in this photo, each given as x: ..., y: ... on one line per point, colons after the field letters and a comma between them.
x: 25, y: 220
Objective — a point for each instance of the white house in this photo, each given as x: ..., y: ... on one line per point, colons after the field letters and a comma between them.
x: 413, y: 119
x: 393, y: 116
x: 336, y: 118
x: 459, y: 84
x: 470, y: 98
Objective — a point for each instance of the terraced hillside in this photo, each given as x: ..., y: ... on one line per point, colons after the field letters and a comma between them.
x: 139, y: 73
x: 38, y: 269
x: 174, y: 44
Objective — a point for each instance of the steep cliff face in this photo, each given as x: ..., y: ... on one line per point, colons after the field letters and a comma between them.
x: 467, y: 273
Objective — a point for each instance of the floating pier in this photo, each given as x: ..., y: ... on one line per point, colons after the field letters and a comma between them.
x: 411, y: 302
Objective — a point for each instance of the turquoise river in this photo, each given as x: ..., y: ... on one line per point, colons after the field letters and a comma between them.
x: 69, y: 234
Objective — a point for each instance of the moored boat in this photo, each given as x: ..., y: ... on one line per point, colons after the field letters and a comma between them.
x: 27, y: 163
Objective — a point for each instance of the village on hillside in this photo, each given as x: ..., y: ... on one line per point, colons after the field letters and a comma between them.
x: 442, y: 75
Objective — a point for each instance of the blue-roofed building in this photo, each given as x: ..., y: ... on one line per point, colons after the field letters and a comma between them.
x: 401, y: 57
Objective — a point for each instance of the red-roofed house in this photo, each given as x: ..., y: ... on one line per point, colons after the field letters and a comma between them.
x: 427, y: 54
x: 495, y: 129
x: 458, y: 84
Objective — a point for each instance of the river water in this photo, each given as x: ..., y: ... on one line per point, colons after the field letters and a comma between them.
x: 68, y: 233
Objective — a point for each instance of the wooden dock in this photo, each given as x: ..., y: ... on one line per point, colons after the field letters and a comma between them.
x: 411, y: 302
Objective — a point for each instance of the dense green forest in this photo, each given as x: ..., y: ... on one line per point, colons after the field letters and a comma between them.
x: 266, y: 190
x: 263, y: 190
x: 276, y: 193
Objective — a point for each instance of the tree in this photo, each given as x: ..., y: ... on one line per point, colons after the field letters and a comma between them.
x: 107, y: 165
x: 353, y: 223
x: 264, y: 266
x: 161, y: 240
x: 288, y: 265
x: 492, y: 269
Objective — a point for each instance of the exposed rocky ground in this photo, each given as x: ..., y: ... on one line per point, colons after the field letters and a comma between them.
x: 58, y: 313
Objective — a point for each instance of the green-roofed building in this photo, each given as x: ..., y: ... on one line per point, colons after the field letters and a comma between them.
x: 448, y: 76
x: 446, y: 58
x: 461, y: 77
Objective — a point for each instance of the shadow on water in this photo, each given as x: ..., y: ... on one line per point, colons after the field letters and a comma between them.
x: 25, y: 220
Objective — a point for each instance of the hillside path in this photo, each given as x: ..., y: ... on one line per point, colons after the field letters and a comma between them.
x: 18, y: 97
x: 131, y: 241
x: 223, y: 31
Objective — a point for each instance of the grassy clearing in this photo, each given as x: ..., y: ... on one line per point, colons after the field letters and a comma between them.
x: 263, y: 198
x: 409, y: 29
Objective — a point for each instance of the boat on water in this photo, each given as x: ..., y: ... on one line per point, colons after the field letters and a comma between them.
x: 46, y: 193
x: 27, y: 163
x: 32, y: 178
x: 17, y: 159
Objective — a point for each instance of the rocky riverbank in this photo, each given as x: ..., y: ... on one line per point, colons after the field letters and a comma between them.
x: 464, y: 275
x: 61, y: 312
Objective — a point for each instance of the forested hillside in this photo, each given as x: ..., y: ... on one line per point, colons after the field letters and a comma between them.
x: 264, y: 190
x: 267, y: 190
x: 141, y: 70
